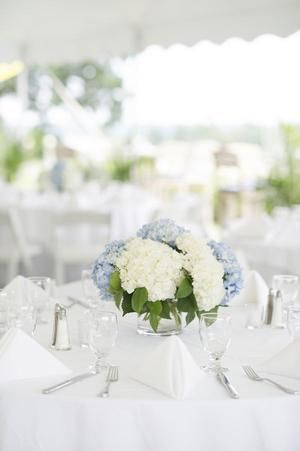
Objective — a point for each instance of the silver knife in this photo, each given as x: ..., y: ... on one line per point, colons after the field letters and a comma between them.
x: 225, y: 382
x: 66, y: 383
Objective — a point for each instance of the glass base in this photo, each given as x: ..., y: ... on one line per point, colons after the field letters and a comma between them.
x: 99, y: 366
x: 165, y: 328
x: 214, y: 369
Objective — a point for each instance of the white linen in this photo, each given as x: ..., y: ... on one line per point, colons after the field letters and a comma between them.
x: 139, y: 418
x: 255, y: 290
x: 22, y: 290
x: 286, y: 362
x: 21, y: 357
x: 169, y: 368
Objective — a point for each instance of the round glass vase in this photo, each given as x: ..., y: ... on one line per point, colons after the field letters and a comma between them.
x: 166, y: 327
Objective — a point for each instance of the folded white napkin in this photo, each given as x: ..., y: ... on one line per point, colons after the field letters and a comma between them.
x: 255, y: 290
x: 21, y: 357
x: 286, y: 362
x: 21, y: 288
x: 169, y: 368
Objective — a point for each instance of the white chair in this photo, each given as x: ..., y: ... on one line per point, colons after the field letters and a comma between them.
x: 14, y: 247
x: 78, y: 238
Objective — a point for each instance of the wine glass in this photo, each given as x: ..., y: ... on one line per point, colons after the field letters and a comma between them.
x: 103, y: 335
x: 288, y: 286
x: 41, y: 300
x: 215, y: 334
x: 293, y: 321
x: 90, y: 291
x: 25, y: 318
x: 3, y: 312
x: 21, y: 312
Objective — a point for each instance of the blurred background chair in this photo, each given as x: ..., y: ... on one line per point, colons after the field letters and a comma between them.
x: 78, y: 238
x: 15, y: 248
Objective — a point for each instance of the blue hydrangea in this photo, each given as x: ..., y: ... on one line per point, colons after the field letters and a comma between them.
x: 104, y: 266
x: 163, y: 230
x: 233, y: 277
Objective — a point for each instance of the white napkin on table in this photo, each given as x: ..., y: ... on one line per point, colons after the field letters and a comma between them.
x: 255, y: 290
x: 170, y: 369
x: 21, y: 288
x: 286, y: 362
x: 21, y: 357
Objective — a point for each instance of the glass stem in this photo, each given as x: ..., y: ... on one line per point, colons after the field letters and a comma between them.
x: 98, y: 364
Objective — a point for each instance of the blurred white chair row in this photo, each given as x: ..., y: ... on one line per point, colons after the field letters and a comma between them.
x: 270, y: 243
x: 14, y: 248
x: 78, y: 237
x: 69, y: 230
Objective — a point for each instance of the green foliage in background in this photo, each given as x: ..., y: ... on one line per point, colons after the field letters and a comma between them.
x: 120, y: 168
x: 14, y: 151
x: 95, y: 86
x: 283, y: 184
x: 123, y: 168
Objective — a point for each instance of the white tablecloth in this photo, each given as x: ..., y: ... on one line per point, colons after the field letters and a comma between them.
x: 138, y: 418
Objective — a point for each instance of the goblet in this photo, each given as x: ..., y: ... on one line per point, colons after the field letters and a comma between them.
x: 288, y: 285
x: 90, y: 291
x: 3, y: 312
x: 103, y: 335
x: 215, y: 334
x: 293, y: 321
x: 41, y: 301
x: 22, y: 313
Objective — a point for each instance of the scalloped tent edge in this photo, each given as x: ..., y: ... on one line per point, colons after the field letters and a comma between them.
x: 45, y: 32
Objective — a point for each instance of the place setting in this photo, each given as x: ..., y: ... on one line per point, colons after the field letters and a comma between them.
x: 210, y: 310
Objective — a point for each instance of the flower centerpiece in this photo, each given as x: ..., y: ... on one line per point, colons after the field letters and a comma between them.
x: 165, y: 272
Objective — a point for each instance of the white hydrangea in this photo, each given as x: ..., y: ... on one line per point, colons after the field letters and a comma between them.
x: 150, y: 264
x: 207, y: 273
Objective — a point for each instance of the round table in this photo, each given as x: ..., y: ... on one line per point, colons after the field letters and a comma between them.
x: 139, y: 418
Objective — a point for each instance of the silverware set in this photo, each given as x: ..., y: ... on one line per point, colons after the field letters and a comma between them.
x: 255, y: 377
x: 112, y: 376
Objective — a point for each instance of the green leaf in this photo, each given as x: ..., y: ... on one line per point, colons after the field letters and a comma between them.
x: 115, y: 282
x: 154, y: 321
x: 214, y: 310
x: 165, y: 310
x: 189, y: 317
x: 185, y: 305
x: 118, y: 298
x: 139, y: 297
x: 126, y: 304
x: 184, y: 289
x: 155, y: 307
x: 175, y: 314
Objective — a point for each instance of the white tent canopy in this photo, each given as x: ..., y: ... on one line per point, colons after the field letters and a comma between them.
x: 45, y: 31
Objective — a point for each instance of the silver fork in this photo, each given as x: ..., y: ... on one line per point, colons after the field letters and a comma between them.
x: 255, y: 377
x: 112, y: 376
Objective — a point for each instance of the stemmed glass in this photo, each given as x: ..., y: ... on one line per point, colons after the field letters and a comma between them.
x: 288, y: 285
x: 90, y: 291
x: 103, y: 335
x: 215, y: 334
x: 293, y: 321
x: 3, y: 312
x: 21, y: 312
x: 41, y: 302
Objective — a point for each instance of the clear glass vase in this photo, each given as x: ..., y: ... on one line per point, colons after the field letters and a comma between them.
x: 166, y: 327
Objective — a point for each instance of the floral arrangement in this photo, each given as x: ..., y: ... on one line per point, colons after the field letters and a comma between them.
x: 165, y: 271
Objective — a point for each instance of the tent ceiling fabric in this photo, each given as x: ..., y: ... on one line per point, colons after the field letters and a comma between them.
x: 45, y: 31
